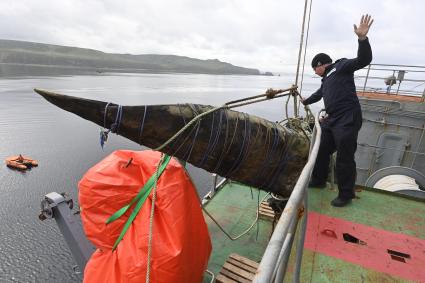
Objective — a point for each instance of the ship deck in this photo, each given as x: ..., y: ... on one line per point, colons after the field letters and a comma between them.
x: 235, y: 209
x: 380, y: 237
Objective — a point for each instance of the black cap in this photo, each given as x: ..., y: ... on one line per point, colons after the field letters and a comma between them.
x: 320, y: 59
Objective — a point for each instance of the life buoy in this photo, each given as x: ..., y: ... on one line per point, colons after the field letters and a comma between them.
x: 20, y: 162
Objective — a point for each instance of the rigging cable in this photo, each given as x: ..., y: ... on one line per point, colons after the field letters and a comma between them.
x: 297, y: 104
x: 299, y: 57
x: 306, y: 44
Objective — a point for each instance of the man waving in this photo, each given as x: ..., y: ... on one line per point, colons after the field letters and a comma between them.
x: 344, y: 118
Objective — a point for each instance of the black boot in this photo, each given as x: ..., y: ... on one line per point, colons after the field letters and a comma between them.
x: 340, y: 202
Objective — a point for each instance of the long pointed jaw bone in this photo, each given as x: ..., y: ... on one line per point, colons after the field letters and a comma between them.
x: 235, y: 145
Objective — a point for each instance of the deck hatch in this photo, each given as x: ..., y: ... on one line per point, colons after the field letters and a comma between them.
x: 390, y: 151
x: 352, y: 239
x: 398, y: 256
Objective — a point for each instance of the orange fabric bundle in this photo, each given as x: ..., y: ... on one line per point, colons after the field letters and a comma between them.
x: 180, y: 241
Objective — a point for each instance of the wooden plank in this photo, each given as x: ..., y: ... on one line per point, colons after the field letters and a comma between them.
x: 265, y: 209
x: 242, y: 265
x: 266, y: 215
x: 265, y: 206
x: 232, y: 276
x: 223, y: 279
x: 245, y: 260
x: 236, y: 270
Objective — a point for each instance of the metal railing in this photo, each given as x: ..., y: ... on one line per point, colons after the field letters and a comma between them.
x: 394, y: 79
x: 273, y: 265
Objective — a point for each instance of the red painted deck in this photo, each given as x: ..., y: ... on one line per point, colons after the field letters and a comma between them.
x: 392, y: 253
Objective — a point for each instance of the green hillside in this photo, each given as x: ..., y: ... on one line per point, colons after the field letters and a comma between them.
x: 28, y: 56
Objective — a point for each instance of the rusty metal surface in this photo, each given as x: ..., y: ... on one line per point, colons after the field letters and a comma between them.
x: 386, y: 96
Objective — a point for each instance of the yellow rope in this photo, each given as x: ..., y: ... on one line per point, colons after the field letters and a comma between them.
x: 151, y: 218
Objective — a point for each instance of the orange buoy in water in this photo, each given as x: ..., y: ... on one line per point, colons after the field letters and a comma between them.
x: 20, y: 162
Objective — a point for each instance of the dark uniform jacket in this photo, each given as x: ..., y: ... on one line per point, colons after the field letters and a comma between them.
x: 338, y: 89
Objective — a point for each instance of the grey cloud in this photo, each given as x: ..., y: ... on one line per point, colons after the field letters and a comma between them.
x: 250, y: 33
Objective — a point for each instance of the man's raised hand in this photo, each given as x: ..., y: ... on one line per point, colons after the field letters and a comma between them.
x: 365, y: 23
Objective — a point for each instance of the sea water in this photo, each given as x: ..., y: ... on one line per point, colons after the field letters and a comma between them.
x: 66, y: 145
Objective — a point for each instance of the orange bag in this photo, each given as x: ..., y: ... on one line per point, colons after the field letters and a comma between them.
x: 180, y: 241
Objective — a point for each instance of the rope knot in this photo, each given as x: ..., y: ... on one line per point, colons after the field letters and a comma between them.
x: 294, y: 90
x: 270, y: 93
x: 114, y: 126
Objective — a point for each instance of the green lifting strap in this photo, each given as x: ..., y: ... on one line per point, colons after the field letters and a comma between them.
x: 140, y: 199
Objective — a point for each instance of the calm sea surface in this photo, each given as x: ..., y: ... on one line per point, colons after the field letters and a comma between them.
x: 66, y: 146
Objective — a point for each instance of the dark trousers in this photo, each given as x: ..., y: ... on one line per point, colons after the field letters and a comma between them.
x: 339, y: 135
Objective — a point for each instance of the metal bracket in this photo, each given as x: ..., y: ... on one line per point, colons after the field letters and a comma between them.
x: 59, y: 207
x: 50, y: 201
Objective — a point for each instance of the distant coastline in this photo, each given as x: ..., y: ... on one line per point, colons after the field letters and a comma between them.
x: 30, y: 58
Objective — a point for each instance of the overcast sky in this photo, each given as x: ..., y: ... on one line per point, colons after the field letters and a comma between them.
x: 262, y: 34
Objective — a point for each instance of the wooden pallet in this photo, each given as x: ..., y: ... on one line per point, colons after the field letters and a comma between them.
x: 266, y: 212
x: 237, y: 269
